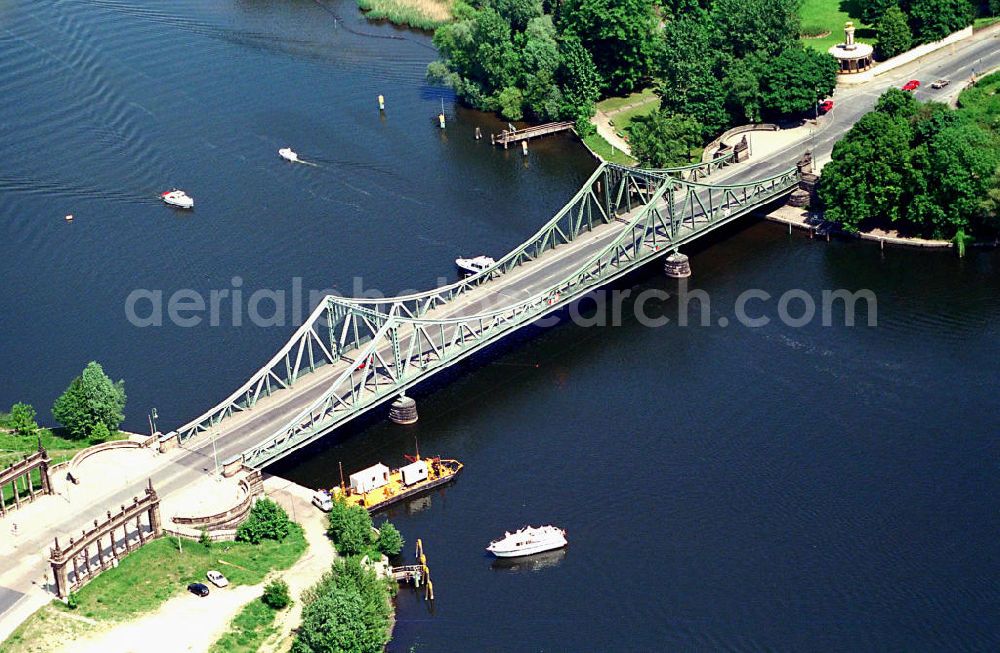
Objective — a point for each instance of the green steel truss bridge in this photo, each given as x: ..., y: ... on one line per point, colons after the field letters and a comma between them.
x: 351, y: 355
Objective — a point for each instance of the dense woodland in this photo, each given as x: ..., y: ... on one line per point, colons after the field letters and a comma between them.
x: 714, y: 62
x: 921, y: 168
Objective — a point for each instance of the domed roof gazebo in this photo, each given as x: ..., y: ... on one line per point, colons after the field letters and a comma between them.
x: 852, y: 57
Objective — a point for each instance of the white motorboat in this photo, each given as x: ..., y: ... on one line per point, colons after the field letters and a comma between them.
x: 528, y: 541
x: 287, y: 154
x: 474, y: 265
x: 177, y: 198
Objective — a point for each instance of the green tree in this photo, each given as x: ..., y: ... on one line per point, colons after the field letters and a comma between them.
x: 518, y: 12
x: 22, y: 419
x: 276, y: 595
x: 390, y: 542
x: 689, y: 70
x: 267, y: 520
x: 578, y: 77
x: 350, y: 528
x: 619, y: 36
x: 869, y: 177
x: 749, y: 26
x: 743, y: 83
x: 932, y: 20
x: 661, y: 140
x: 870, y: 11
x: 963, y: 162
x: 796, y: 79
x: 510, y: 103
x: 91, y: 399
x: 893, y: 33
x: 346, y: 612
x: 897, y: 103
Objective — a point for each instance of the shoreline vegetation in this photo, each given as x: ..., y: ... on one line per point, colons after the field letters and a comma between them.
x: 425, y: 15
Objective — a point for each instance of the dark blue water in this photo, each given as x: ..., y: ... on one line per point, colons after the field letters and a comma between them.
x: 780, y: 488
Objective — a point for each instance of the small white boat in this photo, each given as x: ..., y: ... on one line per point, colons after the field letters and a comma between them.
x: 287, y: 154
x: 474, y: 265
x: 177, y: 198
x: 528, y: 541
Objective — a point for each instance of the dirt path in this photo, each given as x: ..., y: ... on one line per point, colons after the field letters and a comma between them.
x: 602, y: 121
x: 313, y: 563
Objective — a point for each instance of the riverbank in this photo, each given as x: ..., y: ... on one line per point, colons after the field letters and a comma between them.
x: 802, y: 218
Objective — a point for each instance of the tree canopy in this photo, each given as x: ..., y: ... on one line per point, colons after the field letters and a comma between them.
x: 266, y: 521
x: 91, y: 399
x: 346, y: 612
x: 924, y: 169
x: 618, y: 34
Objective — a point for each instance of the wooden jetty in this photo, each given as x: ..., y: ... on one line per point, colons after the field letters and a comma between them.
x: 508, y: 136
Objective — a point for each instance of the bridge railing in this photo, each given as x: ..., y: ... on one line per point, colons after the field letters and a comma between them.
x: 406, y: 349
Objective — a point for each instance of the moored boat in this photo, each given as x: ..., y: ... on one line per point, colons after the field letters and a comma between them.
x: 177, y: 198
x: 378, y: 486
x: 474, y: 265
x: 528, y: 541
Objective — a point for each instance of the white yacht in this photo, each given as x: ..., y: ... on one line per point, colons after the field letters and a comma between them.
x: 287, y: 154
x: 177, y: 198
x: 528, y: 541
x: 474, y: 265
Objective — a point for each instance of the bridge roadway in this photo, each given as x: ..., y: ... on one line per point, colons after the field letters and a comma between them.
x: 243, y: 430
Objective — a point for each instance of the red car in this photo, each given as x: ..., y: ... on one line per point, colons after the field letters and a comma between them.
x: 911, y: 85
x: 825, y: 106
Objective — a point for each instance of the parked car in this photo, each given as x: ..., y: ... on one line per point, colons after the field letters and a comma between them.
x: 940, y: 83
x: 198, y: 589
x: 911, y: 85
x: 217, y: 578
x: 825, y: 106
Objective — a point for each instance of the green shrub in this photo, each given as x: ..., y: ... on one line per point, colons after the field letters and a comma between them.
x: 390, y: 542
x: 350, y: 528
x: 22, y: 419
x: 276, y: 595
x: 267, y: 520
x: 205, y: 540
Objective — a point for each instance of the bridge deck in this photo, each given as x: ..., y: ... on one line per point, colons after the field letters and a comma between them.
x: 242, y: 431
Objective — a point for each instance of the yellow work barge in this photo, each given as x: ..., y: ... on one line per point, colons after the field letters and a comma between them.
x: 377, y: 487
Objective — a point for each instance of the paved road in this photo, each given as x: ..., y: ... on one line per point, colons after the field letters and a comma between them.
x: 182, y: 467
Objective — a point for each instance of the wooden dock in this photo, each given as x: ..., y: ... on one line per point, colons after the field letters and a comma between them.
x: 508, y: 136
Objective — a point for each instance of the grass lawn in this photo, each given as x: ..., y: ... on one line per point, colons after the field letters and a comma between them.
x: 980, y: 23
x: 981, y: 103
x: 615, y: 103
x: 604, y: 149
x: 248, y: 630
x: 825, y: 15
x: 13, y: 447
x: 158, y: 571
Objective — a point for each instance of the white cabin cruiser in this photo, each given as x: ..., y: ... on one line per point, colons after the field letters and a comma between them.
x: 528, y: 541
x: 287, y: 154
x: 177, y: 198
x: 474, y: 265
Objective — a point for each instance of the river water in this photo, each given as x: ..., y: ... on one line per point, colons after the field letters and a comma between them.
x: 781, y: 487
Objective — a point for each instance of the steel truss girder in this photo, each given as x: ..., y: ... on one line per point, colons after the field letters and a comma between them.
x: 404, y: 349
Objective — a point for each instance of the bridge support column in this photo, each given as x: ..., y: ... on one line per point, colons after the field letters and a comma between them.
x: 403, y: 410
x: 677, y: 266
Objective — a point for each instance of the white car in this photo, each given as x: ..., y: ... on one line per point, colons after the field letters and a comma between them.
x: 217, y: 579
